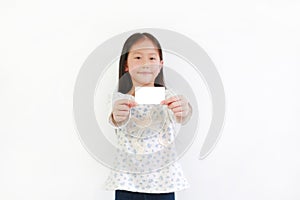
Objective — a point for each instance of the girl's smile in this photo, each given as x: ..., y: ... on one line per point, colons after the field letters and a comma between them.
x: 145, y: 73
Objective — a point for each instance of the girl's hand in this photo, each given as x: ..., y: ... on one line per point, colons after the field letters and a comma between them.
x: 121, y: 109
x: 179, y: 105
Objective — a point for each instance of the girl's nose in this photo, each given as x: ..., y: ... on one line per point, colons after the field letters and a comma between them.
x: 145, y: 64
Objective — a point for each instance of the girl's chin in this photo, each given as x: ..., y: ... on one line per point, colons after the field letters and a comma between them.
x: 145, y: 81
x: 144, y: 84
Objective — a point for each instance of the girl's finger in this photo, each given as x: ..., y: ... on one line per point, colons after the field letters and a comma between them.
x: 178, y: 114
x: 127, y: 102
x: 170, y: 100
x: 177, y: 104
x: 178, y: 109
x: 121, y: 113
x: 119, y: 119
x: 132, y: 104
x: 181, y: 114
x: 122, y: 108
x: 174, y: 99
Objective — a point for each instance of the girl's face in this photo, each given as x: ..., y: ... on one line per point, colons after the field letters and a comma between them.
x: 143, y: 63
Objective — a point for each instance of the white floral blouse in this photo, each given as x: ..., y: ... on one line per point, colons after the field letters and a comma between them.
x: 146, y: 155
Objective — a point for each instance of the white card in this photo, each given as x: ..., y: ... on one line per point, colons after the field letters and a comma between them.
x: 149, y: 95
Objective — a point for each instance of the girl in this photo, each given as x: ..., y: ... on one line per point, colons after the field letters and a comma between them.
x: 145, y: 168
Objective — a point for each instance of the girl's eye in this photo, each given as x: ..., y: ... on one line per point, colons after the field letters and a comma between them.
x: 137, y: 57
x: 152, y: 58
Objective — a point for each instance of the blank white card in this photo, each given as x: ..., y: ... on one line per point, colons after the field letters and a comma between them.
x: 149, y: 95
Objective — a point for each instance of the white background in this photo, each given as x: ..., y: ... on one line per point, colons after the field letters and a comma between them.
x: 254, y: 45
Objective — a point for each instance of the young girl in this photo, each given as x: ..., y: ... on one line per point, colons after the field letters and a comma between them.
x: 146, y: 167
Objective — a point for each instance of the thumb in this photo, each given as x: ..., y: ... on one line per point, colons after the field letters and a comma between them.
x: 132, y: 104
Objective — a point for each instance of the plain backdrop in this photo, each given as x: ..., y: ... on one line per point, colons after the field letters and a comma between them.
x: 255, y: 46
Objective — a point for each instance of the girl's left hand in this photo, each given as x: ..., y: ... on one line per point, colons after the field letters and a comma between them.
x: 179, y: 105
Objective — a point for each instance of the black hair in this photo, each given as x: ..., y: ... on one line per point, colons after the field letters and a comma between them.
x: 125, y: 82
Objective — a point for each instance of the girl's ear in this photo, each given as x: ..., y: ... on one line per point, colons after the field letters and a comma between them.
x: 126, y: 68
x: 161, y: 64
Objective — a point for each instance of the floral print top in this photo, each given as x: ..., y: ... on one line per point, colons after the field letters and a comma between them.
x: 146, y: 157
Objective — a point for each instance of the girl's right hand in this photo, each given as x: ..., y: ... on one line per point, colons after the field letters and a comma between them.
x: 121, y: 110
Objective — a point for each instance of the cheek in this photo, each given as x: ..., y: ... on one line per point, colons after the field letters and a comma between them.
x: 132, y: 65
x: 133, y: 68
x: 157, y: 68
